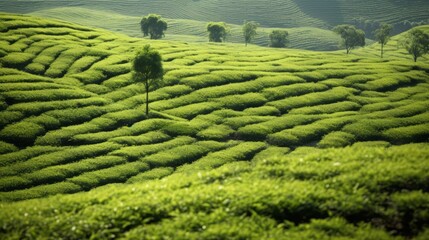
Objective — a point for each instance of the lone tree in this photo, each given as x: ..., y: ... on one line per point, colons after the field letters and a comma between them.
x: 416, y: 43
x: 382, y: 35
x: 153, y: 25
x: 249, y: 31
x: 217, y: 31
x: 147, y: 69
x: 278, y: 38
x: 351, y: 36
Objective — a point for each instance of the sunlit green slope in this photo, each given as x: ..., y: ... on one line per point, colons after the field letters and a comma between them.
x: 190, y: 30
x: 309, y: 22
x: 238, y: 133
x: 270, y: 13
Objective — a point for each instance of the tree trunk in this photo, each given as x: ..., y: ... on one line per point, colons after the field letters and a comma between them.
x: 415, y: 57
x: 147, y: 99
x: 382, y: 50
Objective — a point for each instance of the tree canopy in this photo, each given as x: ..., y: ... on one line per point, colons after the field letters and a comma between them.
x: 153, y: 26
x: 217, y: 31
x: 278, y: 38
x: 249, y: 31
x: 382, y: 35
x: 351, y: 37
x: 147, y: 69
x: 416, y: 42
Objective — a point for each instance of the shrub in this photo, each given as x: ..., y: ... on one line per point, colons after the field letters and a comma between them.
x: 292, y: 90
x: 63, y: 136
x: 7, y: 147
x: 237, y: 122
x: 407, y: 134
x: 60, y: 173
x: 217, y: 78
x: 22, y: 133
x: 47, y: 122
x: 271, y: 152
x: 240, y: 152
x: 180, y: 129
x: 35, y: 68
x: 328, y: 108
x: 46, y: 95
x: 262, y: 111
x: 41, y: 191
x: 302, y: 135
x: 156, y: 173
x: 176, y: 156
x: 7, y: 117
x: 216, y: 132
x: 334, y: 95
x: 243, y: 101
x: 260, y: 131
x: 97, y: 89
x: 193, y: 110
x: 59, y: 157
x: 35, y: 108
x: 336, y: 139
x: 149, y: 125
x: 143, y: 139
x: 90, y: 77
x: 17, y: 59
x: 115, y: 174
x: 134, y: 153
x: 75, y: 115
x: 82, y: 64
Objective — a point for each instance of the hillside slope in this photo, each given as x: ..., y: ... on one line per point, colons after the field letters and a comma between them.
x: 190, y: 30
x: 282, y: 13
x: 228, y: 117
x: 309, y: 22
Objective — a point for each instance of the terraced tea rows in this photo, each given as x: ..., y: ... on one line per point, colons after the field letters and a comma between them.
x: 72, y: 119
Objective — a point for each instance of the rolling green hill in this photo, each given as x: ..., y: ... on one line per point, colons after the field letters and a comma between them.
x: 309, y: 22
x: 242, y: 138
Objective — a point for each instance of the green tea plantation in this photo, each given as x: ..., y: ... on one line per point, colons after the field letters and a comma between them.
x: 240, y: 143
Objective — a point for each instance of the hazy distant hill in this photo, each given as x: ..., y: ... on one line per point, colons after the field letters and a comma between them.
x: 270, y: 13
x: 308, y: 22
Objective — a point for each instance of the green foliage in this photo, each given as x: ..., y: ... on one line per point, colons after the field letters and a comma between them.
x: 382, y: 35
x: 23, y: 133
x: 279, y: 38
x: 351, y: 36
x: 243, y: 101
x: 217, y: 31
x: 153, y: 25
x: 152, y: 174
x: 249, y: 31
x: 321, y: 195
x: 416, y: 43
x: 17, y: 59
x: 216, y: 132
x: 7, y: 147
x: 336, y: 139
x: 77, y: 99
x: 147, y: 67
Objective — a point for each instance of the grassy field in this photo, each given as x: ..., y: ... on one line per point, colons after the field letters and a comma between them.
x: 308, y: 22
x: 242, y: 142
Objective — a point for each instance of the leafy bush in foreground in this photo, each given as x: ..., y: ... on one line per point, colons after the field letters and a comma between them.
x: 319, y: 195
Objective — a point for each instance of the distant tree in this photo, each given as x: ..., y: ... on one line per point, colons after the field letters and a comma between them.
x: 217, y: 31
x: 147, y: 69
x: 351, y: 36
x: 278, y: 38
x: 382, y: 35
x: 416, y: 42
x: 249, y: 31
x: 153, y: 26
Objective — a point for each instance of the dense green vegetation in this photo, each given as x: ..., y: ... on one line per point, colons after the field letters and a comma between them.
x: 308, y: 22
x: 238, y: 144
